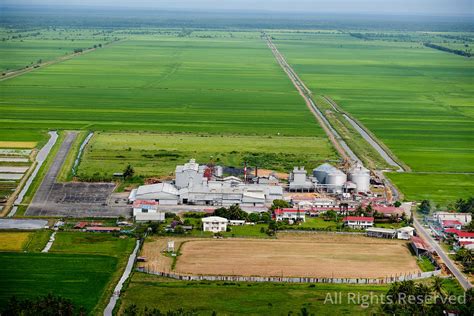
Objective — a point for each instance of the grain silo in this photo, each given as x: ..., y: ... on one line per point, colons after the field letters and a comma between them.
x: 322, y: 171
x: 360, y: 176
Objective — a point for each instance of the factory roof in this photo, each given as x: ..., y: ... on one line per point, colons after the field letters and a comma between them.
x: 159, y: 187
x: 191, y: 165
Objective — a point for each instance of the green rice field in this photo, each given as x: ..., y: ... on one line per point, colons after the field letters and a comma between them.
x: 81, y: 278
x: 226, y: 85
x: 415, y: 99
x: 20, y: 48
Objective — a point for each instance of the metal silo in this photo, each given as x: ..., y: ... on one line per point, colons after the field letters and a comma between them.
x: 322, y: 171
x: 336, y: 178
x: 360, y: 176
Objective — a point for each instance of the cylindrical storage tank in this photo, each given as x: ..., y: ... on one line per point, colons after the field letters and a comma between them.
x: 336, y: 178
x: 360, y: 176
x: 322, y: 171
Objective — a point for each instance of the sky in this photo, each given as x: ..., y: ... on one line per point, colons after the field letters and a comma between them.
x: 424, y: 7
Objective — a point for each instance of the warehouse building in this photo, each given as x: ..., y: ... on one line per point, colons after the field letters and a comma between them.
x: 191, y: 186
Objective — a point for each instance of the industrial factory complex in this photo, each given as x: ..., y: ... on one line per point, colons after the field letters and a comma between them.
x: 196, y: 184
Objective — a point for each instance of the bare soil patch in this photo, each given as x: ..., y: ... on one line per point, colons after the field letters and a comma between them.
x: 292, y: 255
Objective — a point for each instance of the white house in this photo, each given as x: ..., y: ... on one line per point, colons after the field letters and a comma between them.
x: 405, y: 233
x: 214, y: 224
x: 358, y: 222
x: 163, y: 193
x: 289, y: 214
x: 147, y: 211
x: 464, y: 218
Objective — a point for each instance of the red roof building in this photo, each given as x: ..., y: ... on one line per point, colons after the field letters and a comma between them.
x: 80, y: 225
x: 358, y: 222
x: 358, y: 218
x: 449, y: 223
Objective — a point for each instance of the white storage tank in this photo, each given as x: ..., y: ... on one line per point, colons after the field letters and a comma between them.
x: 360, y: 176
x: 336, y: 178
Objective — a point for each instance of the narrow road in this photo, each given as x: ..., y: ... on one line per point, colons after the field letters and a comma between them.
x: 451, y: 266
x: 368, y: 138
x: 50, y: 243
x: 128, y: 269
x: 339, y: 144
x: 40, y: 159
x: 44, y: 190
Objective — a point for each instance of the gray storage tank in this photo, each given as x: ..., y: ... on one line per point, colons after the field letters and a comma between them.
x: 321, y: 172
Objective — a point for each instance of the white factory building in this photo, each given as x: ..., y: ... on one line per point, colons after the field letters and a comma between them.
x: 192, y: 187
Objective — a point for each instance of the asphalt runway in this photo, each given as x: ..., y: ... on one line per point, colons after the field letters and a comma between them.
x: 75, y: 199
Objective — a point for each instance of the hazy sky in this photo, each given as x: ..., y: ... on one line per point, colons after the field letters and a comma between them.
x: 429, y: 7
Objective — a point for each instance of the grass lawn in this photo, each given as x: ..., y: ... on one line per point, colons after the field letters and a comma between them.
x: 92, y: 243
x: 38, y: 240
x: 425, y: 264
x: 243, y: 298
x: 158, y: 154
x: 81, y: 278
x: 14, y: 241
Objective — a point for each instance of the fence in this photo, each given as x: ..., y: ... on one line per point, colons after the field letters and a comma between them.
x: 227, y: 278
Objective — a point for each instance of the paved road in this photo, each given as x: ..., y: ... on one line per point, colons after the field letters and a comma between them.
x: 451, y: 266
x: 40, y: 159
x: 128, y: 269
x: 43, y: 192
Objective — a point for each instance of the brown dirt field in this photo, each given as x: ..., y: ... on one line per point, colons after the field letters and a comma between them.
x: 320, y: 255
x: 152, y: 250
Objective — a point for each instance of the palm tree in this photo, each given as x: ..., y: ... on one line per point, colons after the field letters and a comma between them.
x: 437, y: 286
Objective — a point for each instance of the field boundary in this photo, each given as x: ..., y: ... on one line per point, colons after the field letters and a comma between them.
x: 19, y: 72
x: 234, y: 278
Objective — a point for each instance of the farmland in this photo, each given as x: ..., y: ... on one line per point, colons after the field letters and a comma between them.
x: 80, y: 278
x: 243, y: 298
x: 415, y: 99
x: 158, y: 154
x: 14, y: 241
x: 321, y: 255
x: 20, y: 48
x: 82, y: 243
x: 225, y: 85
